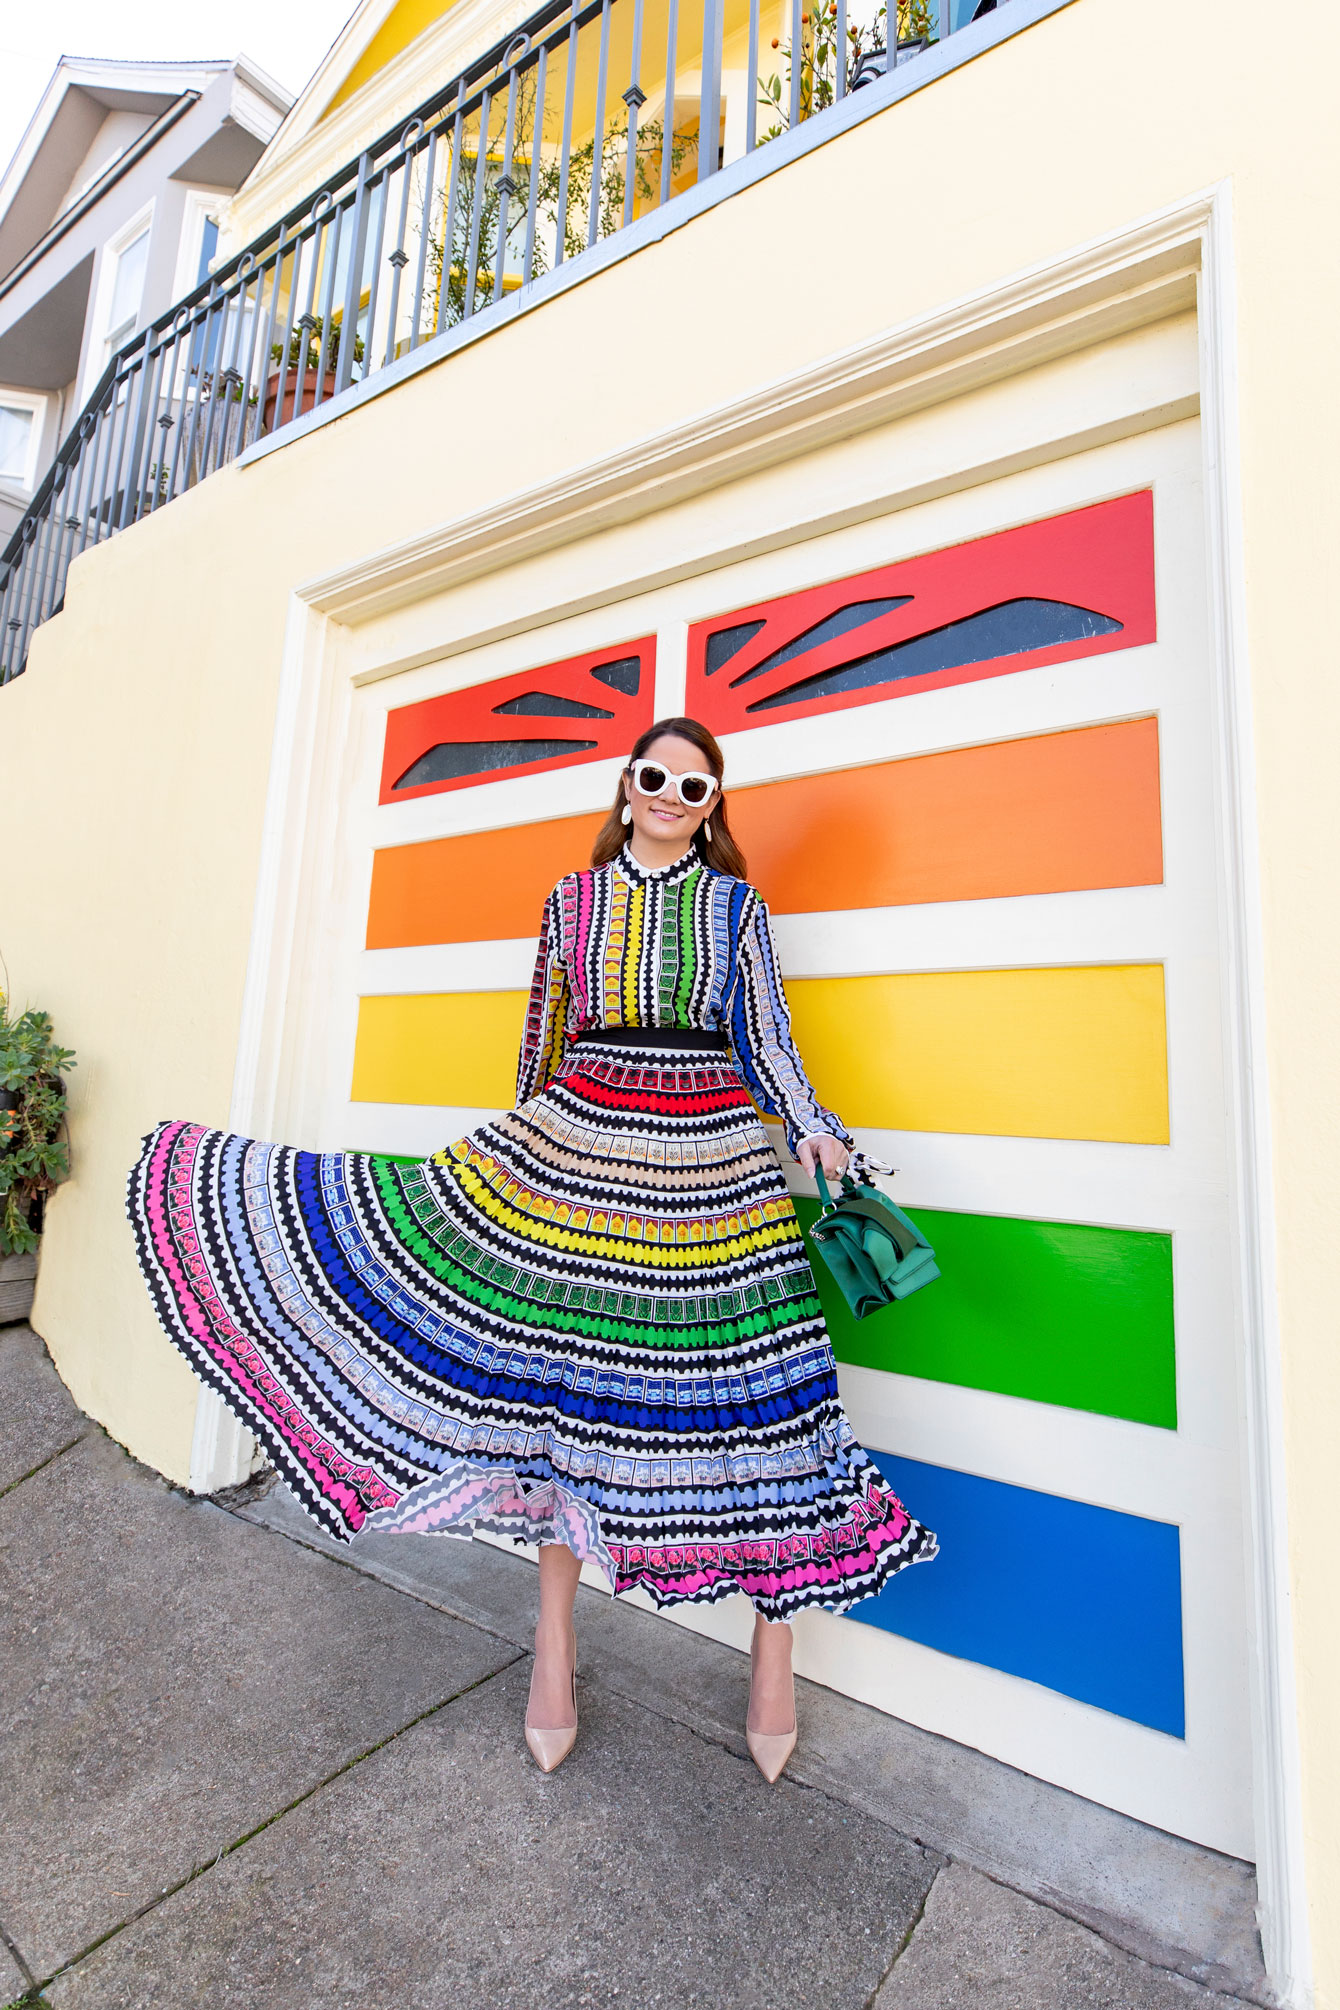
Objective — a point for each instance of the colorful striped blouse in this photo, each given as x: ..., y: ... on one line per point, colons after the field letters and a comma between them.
x: 684, y: 946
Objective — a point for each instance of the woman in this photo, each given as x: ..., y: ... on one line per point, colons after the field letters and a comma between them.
x: 590, y: 1325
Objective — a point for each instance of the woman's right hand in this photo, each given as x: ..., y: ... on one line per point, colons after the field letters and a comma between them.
x: 822, y: 1149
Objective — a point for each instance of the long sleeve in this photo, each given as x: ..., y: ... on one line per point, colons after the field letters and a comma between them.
x: 548, y: 1011
x: 760, y: 1033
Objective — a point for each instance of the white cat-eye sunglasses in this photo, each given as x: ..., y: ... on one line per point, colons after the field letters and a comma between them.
x: 693, y: 789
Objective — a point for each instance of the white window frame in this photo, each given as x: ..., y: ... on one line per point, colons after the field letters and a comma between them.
x: 34, y: 402
x: 121, y: 240
x: 200, y: 203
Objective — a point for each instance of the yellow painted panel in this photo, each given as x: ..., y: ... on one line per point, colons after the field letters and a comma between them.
x: 453, y: 1047
x: 1009, y: 1053
x: 1050, y: 1053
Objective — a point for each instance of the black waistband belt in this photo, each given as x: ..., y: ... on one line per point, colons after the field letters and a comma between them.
x: 687, y: 1038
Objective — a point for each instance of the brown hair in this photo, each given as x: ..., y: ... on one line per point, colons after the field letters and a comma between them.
x: 720, y: 850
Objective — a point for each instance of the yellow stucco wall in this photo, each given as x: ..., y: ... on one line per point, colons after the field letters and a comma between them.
x: 136, y: 748
x: 403, y: 25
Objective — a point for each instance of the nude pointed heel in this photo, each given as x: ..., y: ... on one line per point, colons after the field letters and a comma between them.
x: 769, y: 1750
x: 550, y: 1748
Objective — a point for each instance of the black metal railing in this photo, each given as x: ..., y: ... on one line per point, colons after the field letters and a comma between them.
x: 594, y: 113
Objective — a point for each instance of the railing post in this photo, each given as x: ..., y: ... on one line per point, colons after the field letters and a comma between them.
x: 399, y: 258
x: 517, y: 50
x: 536, y: 139
x: 635, y: 98
x: 267, y: 339
x: 598, y: 137
x: 798, y: 61
x: 135, y: 434
x: 453, y: 201
x: 565, y: 154
x: 709, y: 103
x: 425, y: 231
x: 250, y: 372
x: 327, y: 231
x: 471, y: 278
x: 353, y: 292
x: 203, y: 329
x: 668, y: 122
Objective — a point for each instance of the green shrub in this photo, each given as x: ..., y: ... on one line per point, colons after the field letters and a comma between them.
x: 33, y: 1155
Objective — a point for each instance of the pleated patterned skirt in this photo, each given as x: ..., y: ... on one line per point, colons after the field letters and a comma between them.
x: 590, y: 1322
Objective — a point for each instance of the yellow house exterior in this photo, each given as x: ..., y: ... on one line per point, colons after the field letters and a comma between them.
x: 1075, y: 258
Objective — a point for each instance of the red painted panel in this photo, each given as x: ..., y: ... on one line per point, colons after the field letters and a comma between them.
x: 987, y: 606
x: 481, y: 730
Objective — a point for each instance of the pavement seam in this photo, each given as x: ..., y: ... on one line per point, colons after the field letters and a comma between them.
x: 1164, y: 1967
x: 11, y: 1948
x: 668, y: 1715
x: 906, y: 1940
x: 375, y: 1577
x: 229, y: 1849
x: 42, y: 1464
x: 667, y: 1711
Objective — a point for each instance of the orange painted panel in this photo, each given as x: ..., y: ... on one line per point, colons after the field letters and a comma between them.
x: 483, y: 887
x: 1052, y: 814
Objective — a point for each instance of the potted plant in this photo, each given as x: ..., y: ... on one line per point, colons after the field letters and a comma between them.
x: 312, y: 353
x: 33, y: 1155
x: 866, y: 55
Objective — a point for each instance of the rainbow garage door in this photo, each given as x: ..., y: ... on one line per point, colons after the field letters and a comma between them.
x: 996, y: 982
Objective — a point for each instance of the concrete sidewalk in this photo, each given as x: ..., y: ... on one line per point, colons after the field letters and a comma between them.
x: 243, y: 1771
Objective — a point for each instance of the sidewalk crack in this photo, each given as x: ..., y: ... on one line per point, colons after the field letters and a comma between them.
x: 361, y: 1569
x: 240, y: 1842
x: 25, y: 1971
x: 32, y: 1473
x: 903, y: 1945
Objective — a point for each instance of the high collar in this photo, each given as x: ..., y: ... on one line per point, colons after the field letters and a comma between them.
x: 661, y: 875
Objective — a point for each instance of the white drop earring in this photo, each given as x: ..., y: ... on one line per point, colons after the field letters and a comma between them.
x: 626, y: 814
x: 707, y: 832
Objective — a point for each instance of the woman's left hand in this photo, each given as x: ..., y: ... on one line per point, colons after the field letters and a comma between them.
x: 826, y: 1151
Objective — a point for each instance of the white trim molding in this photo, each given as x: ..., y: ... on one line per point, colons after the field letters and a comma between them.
x: 1105, y: 289
x: 1281, y: 1869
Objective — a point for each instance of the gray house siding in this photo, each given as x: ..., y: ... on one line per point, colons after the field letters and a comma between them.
x: 197, y: 137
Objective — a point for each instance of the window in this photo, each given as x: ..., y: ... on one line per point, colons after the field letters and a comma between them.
x: 127, y: 289
x: 1050, y: 592
x: 198, y: 243
x: 209, y: 244
x: 20, y: 437
x: 585, y: 708
x: 15, y: 438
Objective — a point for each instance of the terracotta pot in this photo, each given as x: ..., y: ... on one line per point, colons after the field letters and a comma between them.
x: 18, y: 1279
x: 293, y: 407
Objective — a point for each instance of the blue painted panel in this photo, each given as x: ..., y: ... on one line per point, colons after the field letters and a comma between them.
x: 1082, y: 1599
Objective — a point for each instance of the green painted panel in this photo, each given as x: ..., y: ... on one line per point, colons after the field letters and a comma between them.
x: 1053, y: 1310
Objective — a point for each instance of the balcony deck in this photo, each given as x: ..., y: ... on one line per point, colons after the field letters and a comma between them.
x: 576, y: 142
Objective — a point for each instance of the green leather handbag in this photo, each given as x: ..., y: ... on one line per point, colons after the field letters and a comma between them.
x: 875, y: 1253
